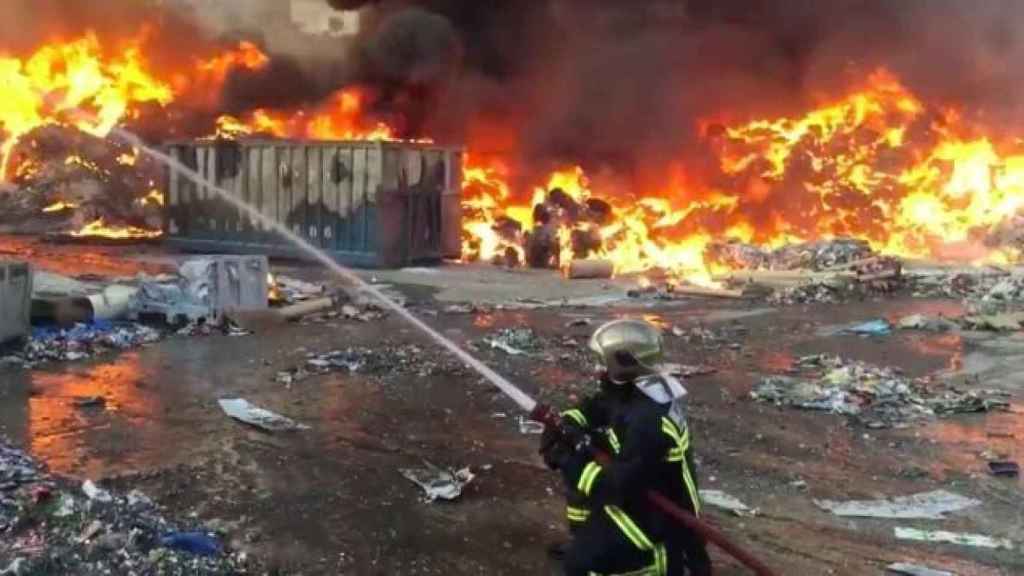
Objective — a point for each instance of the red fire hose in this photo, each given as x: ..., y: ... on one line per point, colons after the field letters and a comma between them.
x: 711, y: 534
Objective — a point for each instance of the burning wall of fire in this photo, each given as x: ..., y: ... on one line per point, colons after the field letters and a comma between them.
x: 914, y: 178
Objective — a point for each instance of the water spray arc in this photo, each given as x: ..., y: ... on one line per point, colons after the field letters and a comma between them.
x: 537, y: 411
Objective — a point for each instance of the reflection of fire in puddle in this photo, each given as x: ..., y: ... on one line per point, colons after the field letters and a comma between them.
x: 946, y: 345
x: 76, y: 260
x: 56, y: 425
x: 484, y: 321
x: 969, y: 442
x: 776, y: 361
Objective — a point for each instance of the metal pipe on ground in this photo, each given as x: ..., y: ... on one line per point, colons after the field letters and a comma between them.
x: 590, y: 269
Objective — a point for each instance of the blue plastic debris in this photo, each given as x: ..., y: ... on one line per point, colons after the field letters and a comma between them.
x: 879, y: 327
x: 198, y: 543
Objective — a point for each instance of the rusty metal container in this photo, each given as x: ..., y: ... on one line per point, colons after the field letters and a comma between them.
x: 15, y: 300
x: 371, y: 204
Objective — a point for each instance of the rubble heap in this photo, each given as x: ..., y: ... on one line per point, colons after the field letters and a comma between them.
x: 51, y: 525
x: 80, y: 342
x: 874, y: 396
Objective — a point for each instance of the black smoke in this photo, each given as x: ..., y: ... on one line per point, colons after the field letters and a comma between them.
x: 623, y: 84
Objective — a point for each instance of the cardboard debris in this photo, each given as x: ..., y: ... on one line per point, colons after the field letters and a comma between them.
x: 438, y: 483
x: 959, y: 538
x: 247, y: 413
x: 926, y: 506
x: 720, y: 499
x: 292, y: 290
x: 905, y: 569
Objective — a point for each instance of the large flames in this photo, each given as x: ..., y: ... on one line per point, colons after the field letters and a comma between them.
x: 877, y: 164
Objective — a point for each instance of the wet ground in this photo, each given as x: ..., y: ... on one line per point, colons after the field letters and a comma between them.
x: 330, y: 500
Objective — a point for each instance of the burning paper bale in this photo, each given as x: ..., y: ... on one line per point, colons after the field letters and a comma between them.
x: 874, y: 396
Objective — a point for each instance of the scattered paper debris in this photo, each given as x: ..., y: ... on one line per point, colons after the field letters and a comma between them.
x: 878, y: 397
x: 527, y: 426
x: 720, y: 499
x: 438, y: 483
x: 905, y: 569
x: 959, y: 538
x: 1007, y: 322
x: 926, y: 505
x: 926, y: 323
x: 243, y: 411
x: 94, y: 492
x: 578, y: 322
x: 687, y: 370
x: 870, y: 328
x: 514, y: 341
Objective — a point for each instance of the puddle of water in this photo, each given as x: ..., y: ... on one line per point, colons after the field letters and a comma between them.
x: 57, y: 430
x: 964, y: 439
x: 950, y: 346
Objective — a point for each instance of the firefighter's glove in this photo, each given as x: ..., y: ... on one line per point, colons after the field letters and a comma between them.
x: 555, y: 447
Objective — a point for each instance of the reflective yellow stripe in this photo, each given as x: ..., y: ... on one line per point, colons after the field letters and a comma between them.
x: 586, y: 482
x: 631, y: 530
x: 613, y: 439
x: 678, y: 454
x: 691, y: 487
x: 577, y: 514
x: 576, y: 415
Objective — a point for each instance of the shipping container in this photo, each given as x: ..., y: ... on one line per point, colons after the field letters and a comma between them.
x: 371, y: 204
x: 15, y: 300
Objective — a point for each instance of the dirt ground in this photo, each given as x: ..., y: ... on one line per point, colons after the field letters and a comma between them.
x: 331, y: 500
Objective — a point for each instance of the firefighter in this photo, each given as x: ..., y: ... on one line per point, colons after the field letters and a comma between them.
x: 639, y: 415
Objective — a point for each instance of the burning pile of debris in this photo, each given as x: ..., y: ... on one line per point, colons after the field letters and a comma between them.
x: 52, y: 525
x: 69, y: 184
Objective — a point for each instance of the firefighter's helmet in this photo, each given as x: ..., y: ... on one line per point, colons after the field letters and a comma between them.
x: 628, y: 349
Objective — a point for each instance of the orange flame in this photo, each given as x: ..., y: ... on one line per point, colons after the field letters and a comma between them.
x: 877, y: 164
x: 62, y: 78
x: 60, y: 207
x: 99, y: 229
x: 341, y: 117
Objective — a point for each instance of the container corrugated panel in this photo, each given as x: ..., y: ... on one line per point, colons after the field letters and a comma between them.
x: 15, y: 300
x: 376, y: 204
